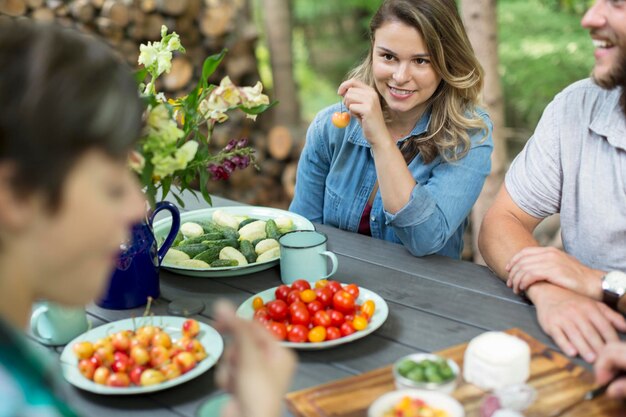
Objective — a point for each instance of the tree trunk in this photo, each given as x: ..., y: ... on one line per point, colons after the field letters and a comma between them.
x: 278, y: 28
x: 480, y: 17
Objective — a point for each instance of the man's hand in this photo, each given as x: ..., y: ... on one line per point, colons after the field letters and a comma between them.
x: 254, y: 368
x: 578, y: 324
x: 536, y: 264
x: 611, y: 360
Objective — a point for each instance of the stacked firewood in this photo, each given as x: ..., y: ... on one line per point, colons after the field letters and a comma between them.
x: 205, y: 27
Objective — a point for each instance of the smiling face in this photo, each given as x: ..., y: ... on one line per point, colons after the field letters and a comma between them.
x: 606, y: 21
x: 77, y: 245
x: 402, y: 69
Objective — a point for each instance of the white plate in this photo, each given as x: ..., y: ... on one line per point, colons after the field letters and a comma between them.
x: 161, y: 228
x: 208, y: 336
x: 433, y: 399
x: 246, y: 311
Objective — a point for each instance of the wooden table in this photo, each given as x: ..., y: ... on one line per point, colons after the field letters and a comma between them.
x: 434, y: 302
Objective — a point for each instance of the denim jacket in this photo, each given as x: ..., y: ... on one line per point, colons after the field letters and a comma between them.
x: 336, y: 175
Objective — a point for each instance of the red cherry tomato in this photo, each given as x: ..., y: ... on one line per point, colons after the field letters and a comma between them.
x: 336, y: 318
x: 298, y: 334
x: 332, y: 333
x: 314, y: 306
x: 324, y: 296
x: 343, y: 301
x: 279, y: 330
x: 277, y: 310
x: 347, y: 329
x: 353, y: 290
x: 293, y: 296
x: 300, y: 315
x: 261, y: 315
x: 282, y: 292
x: 321, y: 318
x: 300, y: 285
x: 334, y: 286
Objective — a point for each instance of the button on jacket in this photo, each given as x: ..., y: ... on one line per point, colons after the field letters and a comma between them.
x: 336, y: 175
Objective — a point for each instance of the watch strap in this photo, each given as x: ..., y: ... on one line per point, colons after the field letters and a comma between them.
x: 610, y: 298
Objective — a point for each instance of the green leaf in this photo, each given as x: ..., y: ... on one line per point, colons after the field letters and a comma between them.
x: 166, y: 184
x: 179, y: 200
x: 204, y: 179
x: 140, y: 75
x: 258, y: 109
x: 211, y: 64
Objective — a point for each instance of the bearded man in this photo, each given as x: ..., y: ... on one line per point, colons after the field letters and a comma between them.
x: 575, y: 165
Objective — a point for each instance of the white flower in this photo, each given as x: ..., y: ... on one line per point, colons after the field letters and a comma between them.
x: 174, y: 43
x: 163, y: 31
x: 212, y: 109
x: 227, y: 92
x: 164, y: 61
x: 186, y: 153
x: 148, y: 53
x: 252, y: 96
x: 161, y: 97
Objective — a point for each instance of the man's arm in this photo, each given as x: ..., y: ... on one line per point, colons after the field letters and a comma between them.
x: 506, y: 230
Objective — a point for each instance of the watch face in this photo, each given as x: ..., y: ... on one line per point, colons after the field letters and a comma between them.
x: 616, y: 280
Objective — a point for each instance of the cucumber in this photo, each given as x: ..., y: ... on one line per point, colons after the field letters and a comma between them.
x: 213, y: 248
x: 209, y: 226
x: 202, y: 238
x: 271, y: 230
x: 179, y: 238
x: 246, y: 248
x: 223, y: 262
x: 232, y: 253
x: 247, y: 221
x: 230, y: 233
x: 194, y: 249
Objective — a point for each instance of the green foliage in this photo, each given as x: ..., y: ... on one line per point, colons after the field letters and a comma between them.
x: 571, y: 6
x: 541, y: 52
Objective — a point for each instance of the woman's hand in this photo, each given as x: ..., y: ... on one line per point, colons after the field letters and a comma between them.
x: 363, y: 103
x: 255, y: 369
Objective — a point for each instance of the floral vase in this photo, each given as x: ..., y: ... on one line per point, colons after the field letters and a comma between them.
x: 137, y: 275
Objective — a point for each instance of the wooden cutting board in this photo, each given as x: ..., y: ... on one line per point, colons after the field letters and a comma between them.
x: 557, y: 380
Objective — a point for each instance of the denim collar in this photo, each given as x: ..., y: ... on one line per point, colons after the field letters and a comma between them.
x: 356, y: 136
x: 610, y: 122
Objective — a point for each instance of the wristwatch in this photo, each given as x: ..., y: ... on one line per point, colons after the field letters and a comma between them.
x: 613, y: 288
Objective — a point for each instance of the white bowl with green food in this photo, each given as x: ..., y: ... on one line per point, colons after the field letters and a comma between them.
x: 426, y: 371
x: 228, y: 241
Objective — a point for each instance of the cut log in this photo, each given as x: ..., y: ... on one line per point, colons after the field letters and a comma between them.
x: 147, y: 6
x: 152, y: 26
x: 13, y: 8
x: 279, y: 142
x: 135, y: 31
x: 112, y: 32
x: 271, y: 168
x: 130, y: 51
x: 171, y: 7
x: 82, y: 10
x: 193, y: 8
x: 97, y: 3
x: 116, y: 12
x: 62, y: 11
x: 34, y: 4
x: 42, y: 14
x: 288, y: 179
x: 217, y: 21
x: 180, y: 75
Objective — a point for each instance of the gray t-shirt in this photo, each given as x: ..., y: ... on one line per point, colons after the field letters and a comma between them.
x: 575, y: 164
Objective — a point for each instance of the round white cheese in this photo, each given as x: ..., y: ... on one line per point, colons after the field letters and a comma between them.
x: 494, y: 360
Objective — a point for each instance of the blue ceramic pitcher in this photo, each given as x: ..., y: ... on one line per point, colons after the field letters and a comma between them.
x: 137, y: 275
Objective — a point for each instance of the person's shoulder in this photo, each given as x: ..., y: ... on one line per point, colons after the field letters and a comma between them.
x: 585, y: 89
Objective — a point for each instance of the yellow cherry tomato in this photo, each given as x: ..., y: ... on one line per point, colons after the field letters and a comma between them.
x: 317, y: 334
x: 307, y: 296
x: 368, y: 308
x: 257, y: 303
x: 321, y: 283
x: 359, y: 323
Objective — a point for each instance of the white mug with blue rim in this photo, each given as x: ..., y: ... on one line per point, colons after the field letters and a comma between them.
x: 303, y: 255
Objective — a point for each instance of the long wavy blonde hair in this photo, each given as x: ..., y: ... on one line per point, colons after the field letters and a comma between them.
x: 453, y: 104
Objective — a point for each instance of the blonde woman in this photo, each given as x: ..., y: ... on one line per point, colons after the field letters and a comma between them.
x: 415, y: 154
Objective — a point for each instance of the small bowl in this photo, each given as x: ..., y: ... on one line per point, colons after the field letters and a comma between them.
x: 434, y: 399
x: 446, y: 386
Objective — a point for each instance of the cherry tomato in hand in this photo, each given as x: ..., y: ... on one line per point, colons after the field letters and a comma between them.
x: 340, y: 119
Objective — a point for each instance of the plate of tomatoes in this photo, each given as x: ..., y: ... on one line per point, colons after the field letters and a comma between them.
x: 316, y: 315
x: 140, y: 355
